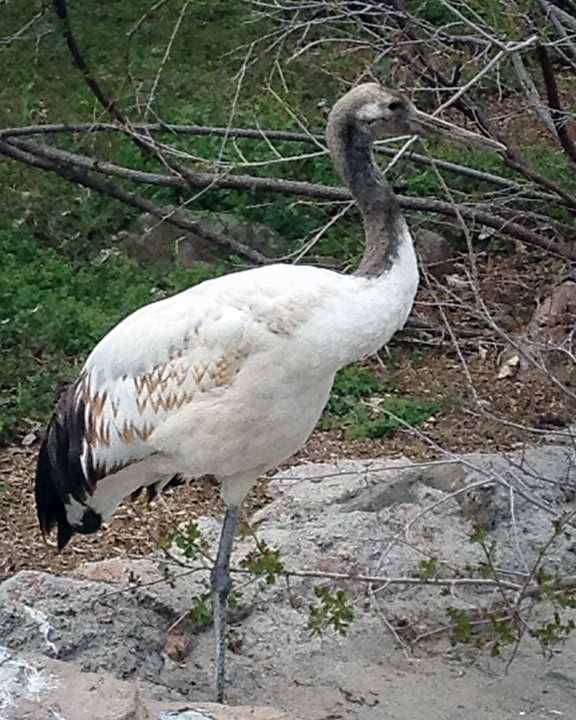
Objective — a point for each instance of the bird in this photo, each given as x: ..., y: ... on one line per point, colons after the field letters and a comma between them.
x: 229, y: 377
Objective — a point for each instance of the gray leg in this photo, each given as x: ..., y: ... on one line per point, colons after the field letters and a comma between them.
x: 221, y: 585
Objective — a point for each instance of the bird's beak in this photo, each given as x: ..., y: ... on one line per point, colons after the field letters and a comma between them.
x: 422, y: 124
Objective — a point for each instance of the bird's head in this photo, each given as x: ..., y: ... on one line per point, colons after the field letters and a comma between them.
x: 372, y: 112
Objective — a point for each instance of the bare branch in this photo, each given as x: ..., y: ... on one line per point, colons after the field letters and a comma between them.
x: 531, y: 92
x: 6, y: 42
x: 166, y: 56
x: 558, y: 117
x: 61, y: 8
x: 80, y: 176
x: 147, y: 129
x: 63, y: 159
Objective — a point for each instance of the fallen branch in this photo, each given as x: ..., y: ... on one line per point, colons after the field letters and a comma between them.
x: 266, y: 136
x: 107, y: 187
x: 56, y: 160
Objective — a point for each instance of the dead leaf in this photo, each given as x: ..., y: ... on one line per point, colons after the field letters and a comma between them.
x: 176, y: 647
x: 509, y: 367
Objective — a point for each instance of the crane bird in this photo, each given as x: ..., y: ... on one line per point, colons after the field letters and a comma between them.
x: 230, y: 377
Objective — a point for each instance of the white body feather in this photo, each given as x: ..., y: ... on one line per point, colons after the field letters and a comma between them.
x: 230, y: 377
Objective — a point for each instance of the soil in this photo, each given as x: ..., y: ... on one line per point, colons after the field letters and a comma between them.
x: 455, y: 361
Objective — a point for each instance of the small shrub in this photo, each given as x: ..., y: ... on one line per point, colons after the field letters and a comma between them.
x: 333, y: 611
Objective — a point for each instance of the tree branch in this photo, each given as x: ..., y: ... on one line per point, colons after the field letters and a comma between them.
x: 558, y: 116
x: 107, y: 187
x: 266, y: 135
x: 61, y: 162
x: 61, y: 9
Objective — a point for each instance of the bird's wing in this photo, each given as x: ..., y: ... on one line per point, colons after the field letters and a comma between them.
x: 148, y: 368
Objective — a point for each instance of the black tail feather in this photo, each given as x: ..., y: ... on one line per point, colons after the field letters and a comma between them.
x: 59, y: 473
x: 49, y: 504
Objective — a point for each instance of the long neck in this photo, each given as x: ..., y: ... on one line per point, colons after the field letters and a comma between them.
x: 383, y: 224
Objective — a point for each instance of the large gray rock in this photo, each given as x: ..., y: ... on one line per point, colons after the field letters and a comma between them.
x: 39, y: 688
x: 155, y: 241
x: 378, y: 518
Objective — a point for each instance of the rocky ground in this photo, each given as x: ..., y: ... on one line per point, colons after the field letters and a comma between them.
x: 333, y: 524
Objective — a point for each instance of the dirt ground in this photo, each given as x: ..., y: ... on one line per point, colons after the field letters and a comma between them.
x: 456, y: 360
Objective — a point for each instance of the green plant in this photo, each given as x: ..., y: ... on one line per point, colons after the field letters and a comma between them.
x: 201, y: 612
x: 264, y: 562
x: 510, y: 617
x: 189, y: 540
x: 334, y: 610
x: 418, y: 355
x: 348, y: 408
x: 428, y: 568
x: 462, y: 631
x: 351, y: 384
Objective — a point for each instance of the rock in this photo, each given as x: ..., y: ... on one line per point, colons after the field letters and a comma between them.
x: 256, y: 235
x: 37, y: 688
x: 29, y: 439
x: 481, y: 506
x: 541, y: 344
x: 434, y: 251
x: 377, y: 517
x: 104, y: 570
x: 176, y: 647
x: 40, y: 686
x: 446, y: 476
x: 375, y: 498
x: 157, y: 241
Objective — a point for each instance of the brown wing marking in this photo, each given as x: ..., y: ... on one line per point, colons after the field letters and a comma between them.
x: 219, y: 373
x: 96, y: 425
x: 98, y: 432
x: 131, y: 431
x: 151, y: 386
x: 199, y: 371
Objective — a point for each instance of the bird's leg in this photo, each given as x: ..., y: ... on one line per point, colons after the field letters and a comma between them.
x: 221, y: 585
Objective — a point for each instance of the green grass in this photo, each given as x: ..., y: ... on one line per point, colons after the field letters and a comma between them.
x: 348, y: 408
x: 41, y: 84
x: 52, y: 314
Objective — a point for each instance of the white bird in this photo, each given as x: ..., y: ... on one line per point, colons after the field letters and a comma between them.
x: 230, y: 377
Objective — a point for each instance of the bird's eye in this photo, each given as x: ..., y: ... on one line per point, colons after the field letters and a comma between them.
x: 393, y: 106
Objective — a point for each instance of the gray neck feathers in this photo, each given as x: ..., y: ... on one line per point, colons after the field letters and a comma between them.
x: 351, y: 151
